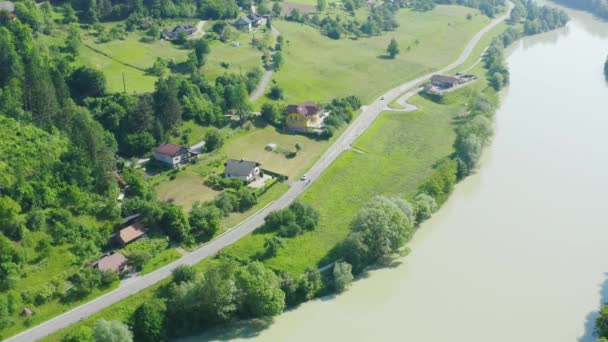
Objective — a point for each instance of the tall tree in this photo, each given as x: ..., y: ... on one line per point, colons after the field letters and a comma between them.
x: 168, y: 107
x: 393, y: 48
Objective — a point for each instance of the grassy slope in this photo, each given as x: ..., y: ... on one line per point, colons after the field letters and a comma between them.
x: 319, y: 68
x: 185, y: 189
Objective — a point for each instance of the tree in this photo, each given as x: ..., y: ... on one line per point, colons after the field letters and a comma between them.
x: 11, y: 222
x: 272, y: 112
x: 183, y: 274
x: 273, y: 244
x: 149, y: 323
x: 321, y: 5
x: 601, y: 322
x: 204, y: 220
x: 201, y: 50
x: 260, y: 291
x: 298, y: 147
x: 310, y: 284
x: 276, y: 92
x: 277, y: 60
x: 343, y: 276
x: 111, y: 331
x: 73, y: 40
x: 85, y: 281
x: 276, y: 9
x: 393, y: 48
x: 213, y: 141
x: 69, y: 15
x: 166, y: 100
x: 86, y: 82
x: 175, y: 223
x: 425, y: 206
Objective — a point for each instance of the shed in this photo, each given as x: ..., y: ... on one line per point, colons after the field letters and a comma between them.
x: 26, y: 312
x: 131, y: 233
x: 114, y: 262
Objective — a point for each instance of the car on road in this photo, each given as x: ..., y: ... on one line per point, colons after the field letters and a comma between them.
x: 305, y: 177
x: 382, y: 98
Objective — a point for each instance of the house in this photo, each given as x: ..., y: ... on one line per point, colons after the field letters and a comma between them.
x: 131, y: 233
x: 303, y: 117
x: 114, y: 262
x: 445, y: 82
x: 244, y: 170
x: 8, y: 7
x: 244, y: 24
x: 172, y: 154
x: 247, y: 23
x: 188, y: 29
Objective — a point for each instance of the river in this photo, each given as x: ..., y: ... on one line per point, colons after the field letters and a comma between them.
x: 520, y: 250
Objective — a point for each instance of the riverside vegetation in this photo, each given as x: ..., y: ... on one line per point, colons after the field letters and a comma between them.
x: 253, y: 278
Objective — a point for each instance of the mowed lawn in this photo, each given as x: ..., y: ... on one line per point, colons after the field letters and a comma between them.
x: 319, y: 68
x: 185, y: 189
x: 400, y: 151
x: 251, y: 146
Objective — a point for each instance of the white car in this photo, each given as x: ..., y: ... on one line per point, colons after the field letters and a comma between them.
x: 305, y: 177
x: 382, y: 98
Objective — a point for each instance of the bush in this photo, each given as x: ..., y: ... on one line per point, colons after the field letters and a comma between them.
x: 183, y: 274
x: 343, y: 276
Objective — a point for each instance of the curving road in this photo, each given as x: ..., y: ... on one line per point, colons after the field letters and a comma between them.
x: 131, y: 286
x: 261, y: 88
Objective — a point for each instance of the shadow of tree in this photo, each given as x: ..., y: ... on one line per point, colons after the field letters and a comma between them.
x: 231, y: 331
x: 589, y: 334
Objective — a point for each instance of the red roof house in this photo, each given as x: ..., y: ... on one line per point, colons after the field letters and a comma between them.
x: 131, y: 233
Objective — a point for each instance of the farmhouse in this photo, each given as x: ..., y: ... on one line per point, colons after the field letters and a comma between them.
x: 247, y: 23
x: 8, y: 7
x: 172, y: 154
x: 444, y: 81
x: 114, y: 262
x: 244, y: 170
x: 131, y: 233
x: 188, y: 30
x: 304, y: 117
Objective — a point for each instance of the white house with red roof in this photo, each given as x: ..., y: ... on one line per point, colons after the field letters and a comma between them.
x: 172, y: 154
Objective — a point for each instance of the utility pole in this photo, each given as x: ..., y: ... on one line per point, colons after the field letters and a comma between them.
x: 124, y: 83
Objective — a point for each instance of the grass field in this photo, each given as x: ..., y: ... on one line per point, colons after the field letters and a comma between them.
x: 319, y: 68
x: 185, y: 189
x: 400, y: 151
x: 251, y: 146
x: 240, y: 59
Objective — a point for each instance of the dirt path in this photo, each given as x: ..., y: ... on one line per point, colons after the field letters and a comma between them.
x: 261, y: 89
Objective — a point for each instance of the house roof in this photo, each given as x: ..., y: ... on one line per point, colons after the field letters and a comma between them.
x: 132, y: 232
x: 240, y: 168
x: 169, y: 149
x: 444, y: 79
x: 307, y: 109
x: 243, y: 21
x: 112, y: 262
x: 255, y: 17
x: 119, y: 179
x: 7, y: 6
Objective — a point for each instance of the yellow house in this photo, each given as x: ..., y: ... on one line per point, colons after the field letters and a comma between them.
x: 304, y: 117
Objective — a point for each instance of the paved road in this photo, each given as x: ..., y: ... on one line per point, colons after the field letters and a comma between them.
x: 259, y: 91
x: 134, y: 285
